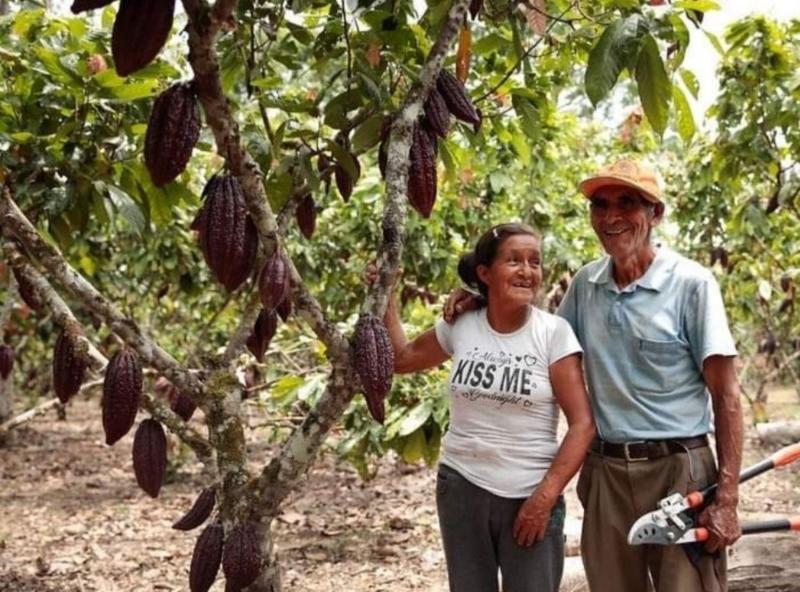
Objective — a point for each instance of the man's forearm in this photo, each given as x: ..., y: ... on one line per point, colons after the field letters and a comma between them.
x: 729, y: 431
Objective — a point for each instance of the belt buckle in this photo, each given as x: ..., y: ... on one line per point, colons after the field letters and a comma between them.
x: 627, y: 452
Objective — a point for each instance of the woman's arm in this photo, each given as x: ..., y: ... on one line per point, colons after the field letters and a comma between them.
x: 420, y: 353
x: 569, y: 390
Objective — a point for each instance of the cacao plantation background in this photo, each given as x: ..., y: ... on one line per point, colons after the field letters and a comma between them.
x: 194, y: 191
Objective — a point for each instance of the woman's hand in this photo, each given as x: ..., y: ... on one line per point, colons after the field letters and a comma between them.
x: 533, y: 518
x: 371, y: 275
x: 458, y: 302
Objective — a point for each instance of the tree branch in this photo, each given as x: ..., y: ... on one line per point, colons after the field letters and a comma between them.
x: 63, y: 316
x: 203, y: 60
x: 283, y: 473
x: 394, y: 214
x: 16, y: 226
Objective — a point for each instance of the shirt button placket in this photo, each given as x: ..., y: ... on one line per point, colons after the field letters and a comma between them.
x: 615, y: 315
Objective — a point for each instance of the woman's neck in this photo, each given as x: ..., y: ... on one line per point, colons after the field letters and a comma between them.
x: 506, y: 318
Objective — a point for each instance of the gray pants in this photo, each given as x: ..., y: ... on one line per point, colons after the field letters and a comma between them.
x: 477, y: 532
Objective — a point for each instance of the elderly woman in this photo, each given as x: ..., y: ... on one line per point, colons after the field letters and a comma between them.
x: 502, y: 471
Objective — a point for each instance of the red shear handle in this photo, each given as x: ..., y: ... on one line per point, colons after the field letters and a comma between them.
x: 786, y: 455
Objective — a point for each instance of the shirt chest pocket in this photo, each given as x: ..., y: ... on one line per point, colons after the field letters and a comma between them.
x: 661, y: 365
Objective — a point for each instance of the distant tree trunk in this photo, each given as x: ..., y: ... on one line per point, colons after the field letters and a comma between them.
x: 4, y: 7
x: 6, y: 405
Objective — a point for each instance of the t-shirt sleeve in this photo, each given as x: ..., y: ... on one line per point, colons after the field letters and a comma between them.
x: 707, y: 326
x: 562, y: 341
x: 444, y: 335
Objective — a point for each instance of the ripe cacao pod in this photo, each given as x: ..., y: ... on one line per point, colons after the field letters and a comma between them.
x: 455, y: 95
x: 140, y: 31
x: 437, y: 115
x: 344, y: 181
x: 182, y: 405
x: 27, y: 292
x: 374, y: 362
x: 6, y: 360
x: 306, y: 215
x: 383, y: 156
x: 475, y: 8
x: 422, y: 179
x: 273, y: 283
x: 206, y: 558
x: 284, y: 309
x: 122, y: 390
x: 172, y: 132
x: 84, y: 5
x: 241, y: 559
x: 199, y: 512
x: 69, y: 366
x: 226, y: 233
x: 263, y: 331
x: 150, y: 456
x: 325, y: 170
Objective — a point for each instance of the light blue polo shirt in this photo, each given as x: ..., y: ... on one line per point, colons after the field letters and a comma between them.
x: 644, y: 346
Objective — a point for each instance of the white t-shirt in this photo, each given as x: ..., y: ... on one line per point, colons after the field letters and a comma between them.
x: 503, y: 415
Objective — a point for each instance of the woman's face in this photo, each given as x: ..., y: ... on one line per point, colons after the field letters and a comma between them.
x: 515, y: 274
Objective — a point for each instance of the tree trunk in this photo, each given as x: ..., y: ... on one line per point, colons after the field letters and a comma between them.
x: 6, y: 406
x: 269, y: 580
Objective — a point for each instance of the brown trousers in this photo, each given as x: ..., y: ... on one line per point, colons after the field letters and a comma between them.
x: 614, y: 493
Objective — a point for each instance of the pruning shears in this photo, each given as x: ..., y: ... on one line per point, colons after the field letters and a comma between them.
x: 674, y: 522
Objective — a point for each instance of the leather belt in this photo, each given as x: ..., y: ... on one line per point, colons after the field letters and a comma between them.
x: 647, y: 449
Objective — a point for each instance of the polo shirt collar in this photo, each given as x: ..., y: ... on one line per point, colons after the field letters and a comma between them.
x: 655, y: 278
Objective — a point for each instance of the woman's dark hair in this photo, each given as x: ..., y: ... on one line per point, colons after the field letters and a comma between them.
x: 485, y: 252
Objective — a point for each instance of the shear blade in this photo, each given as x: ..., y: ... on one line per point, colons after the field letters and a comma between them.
x: 650, y: 530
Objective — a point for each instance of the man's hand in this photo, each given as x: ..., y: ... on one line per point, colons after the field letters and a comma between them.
x: 722, y: 523
x: 458, y: 302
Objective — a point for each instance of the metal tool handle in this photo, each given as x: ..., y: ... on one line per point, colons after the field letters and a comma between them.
x: 782, y: 457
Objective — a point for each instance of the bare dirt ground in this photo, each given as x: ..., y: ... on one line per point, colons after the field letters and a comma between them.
x: 72, y: 518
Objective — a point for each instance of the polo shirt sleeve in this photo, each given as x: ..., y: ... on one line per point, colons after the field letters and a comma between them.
x: 562, y: 341
x: 568, y: 309
x: 707, y: 325
x: 444, y: 335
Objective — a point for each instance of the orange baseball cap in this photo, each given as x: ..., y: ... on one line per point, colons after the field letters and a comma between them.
x: 626, y: 173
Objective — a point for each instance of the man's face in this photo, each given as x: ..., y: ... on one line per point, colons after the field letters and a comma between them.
x: 622, y: 220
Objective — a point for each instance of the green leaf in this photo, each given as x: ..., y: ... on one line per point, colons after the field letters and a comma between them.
x: 25, y: 19
x: 448, y: 160
x: 617, y: 48
x: 279, y: 190
x: 715, y: 42
x: 127, y: 208
x: 690, y: 80
x: 700, y: 5
x: 415, y: 418
x: 367, y: 134
x: 655, y: 89
x: 521, y: 147
x: 414, y: 447
x: 136, y: 90
x: 286, y: 386
x: 685, y: 119
x: 491, y: 43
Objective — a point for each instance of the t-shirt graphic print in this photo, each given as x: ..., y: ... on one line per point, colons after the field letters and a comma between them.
x: 503, y: 415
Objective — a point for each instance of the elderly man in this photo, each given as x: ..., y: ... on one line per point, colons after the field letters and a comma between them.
x: 657, y: 344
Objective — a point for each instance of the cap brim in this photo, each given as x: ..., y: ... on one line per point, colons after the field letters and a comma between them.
x: 590, y: 186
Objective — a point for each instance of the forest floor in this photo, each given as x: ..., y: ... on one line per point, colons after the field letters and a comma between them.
x: 72, y: 518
